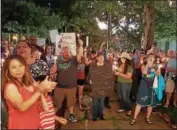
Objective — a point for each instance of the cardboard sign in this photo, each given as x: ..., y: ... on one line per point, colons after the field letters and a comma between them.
x: 41, y: 42
x: 58, y: 45
x: 69, y: 40
x: 53, y: 34
x: 102, y: 79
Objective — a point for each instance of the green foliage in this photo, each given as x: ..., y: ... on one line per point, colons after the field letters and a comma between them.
x: 165, y: 21
x: 38, y: 17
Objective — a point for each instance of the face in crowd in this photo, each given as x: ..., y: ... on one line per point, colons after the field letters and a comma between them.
x: 48, y: 50
x: 66, y: 53
x: 24, y: 49
x: 100, y: 59
x: 15, y: 67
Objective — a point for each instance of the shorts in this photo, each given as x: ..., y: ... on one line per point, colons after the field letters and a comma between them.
x: 170, y: 86
x: 80, y: 82
x: 61, y: 93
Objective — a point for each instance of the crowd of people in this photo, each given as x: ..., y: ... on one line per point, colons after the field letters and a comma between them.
x: 38, y: 86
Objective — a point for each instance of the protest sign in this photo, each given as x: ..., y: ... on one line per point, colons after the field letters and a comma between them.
x: 69, y: 40
x: 53, y: 34
x: 41, y: 41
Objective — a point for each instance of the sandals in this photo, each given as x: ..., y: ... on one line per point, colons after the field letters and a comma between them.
x: 132, y: 121
x: 148, y: 121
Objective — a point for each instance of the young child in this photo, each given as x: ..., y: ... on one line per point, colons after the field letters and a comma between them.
x: 48, y: 115
x: 101, y: 80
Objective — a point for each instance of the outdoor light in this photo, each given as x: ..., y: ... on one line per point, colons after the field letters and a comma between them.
x: 55, y: 59
x: 160, y: 66
x: 14, y: 37
x: 78, y: 35
x: 2, y: 61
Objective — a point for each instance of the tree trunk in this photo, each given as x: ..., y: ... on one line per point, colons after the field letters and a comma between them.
x: 148, y: 37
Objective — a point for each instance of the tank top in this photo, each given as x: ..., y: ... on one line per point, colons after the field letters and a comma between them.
x: 28, y: 119
x: 81, y: 71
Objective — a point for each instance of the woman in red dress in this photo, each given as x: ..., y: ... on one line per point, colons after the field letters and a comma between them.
x: 23, y: 100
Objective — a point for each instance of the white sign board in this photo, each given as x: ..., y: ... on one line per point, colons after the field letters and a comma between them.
x: 53, y: 34
x: 69, y: 40
x: 41, y: 41
x: 57, y: 45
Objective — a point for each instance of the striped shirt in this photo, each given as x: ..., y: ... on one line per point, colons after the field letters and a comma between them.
x: 47, y: 119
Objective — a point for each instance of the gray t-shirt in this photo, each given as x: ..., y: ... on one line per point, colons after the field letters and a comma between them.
x: 67, y: 73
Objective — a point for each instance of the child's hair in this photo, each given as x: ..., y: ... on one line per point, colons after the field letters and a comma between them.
x: 6, y: 76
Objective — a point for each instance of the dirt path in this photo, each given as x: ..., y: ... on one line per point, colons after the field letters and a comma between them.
x: 117, y: 121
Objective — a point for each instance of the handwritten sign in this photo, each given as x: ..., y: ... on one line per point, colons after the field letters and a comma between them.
x: 53, y: 34
x: 41, y: 41
x: 102, y: 79
x: 69, y: 40
x: 57, y: 45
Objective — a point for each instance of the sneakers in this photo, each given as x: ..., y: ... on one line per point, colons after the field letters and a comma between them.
x: 120, y: 110
x: 72, y: 118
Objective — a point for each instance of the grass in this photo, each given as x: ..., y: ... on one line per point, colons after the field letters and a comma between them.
x: 171, y: 111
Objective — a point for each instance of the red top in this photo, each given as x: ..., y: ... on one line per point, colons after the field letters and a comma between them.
x: 81, y: 71
x: 47, y: 119
x: 28, y: 119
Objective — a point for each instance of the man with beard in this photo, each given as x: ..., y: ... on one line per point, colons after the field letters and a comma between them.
x: 66, y: 69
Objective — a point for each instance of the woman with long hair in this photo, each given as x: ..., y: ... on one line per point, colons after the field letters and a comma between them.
x: 146, y: 96
x: 124, y: 73
x: 22, y: 98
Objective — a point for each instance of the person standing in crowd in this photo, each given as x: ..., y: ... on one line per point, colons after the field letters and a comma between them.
x: 81, y: 80
x: 48, y: 56
x: 146, y: 96
x: 66, y: 69
x: 101, y: 80
x: 108, y: 55
x: 37, y: 67
x: 48, y: 117
x: 21, y: 96
x: 170, y: 85
x: 124, y: 74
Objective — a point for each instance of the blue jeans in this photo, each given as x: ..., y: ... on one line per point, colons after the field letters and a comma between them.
x: 97, y: 107
x: 125, y: 89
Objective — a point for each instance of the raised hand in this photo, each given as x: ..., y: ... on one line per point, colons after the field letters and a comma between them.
x: 80, y: 42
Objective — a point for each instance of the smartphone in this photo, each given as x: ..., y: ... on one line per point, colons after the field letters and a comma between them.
x: 40, y: 78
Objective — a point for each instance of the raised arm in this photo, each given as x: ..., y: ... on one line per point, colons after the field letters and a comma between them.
x: 80, y: 50
x: 101, y: 47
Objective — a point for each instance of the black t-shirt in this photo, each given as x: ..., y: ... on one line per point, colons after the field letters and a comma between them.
x: 67, y: 73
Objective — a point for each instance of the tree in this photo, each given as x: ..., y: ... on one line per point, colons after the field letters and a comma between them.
x: 148, y: 37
